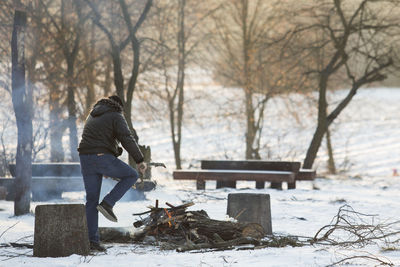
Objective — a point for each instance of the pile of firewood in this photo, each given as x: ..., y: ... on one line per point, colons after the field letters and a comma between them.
x: 174, y: 227
x: 194, y: 229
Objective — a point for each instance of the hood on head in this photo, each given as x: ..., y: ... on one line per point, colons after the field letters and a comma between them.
x: 105, y: 105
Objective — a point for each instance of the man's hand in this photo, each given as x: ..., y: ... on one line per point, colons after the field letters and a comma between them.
x: 142, y: 167
x: 120, y: 150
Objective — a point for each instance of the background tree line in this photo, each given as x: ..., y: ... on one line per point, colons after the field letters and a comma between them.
x: 80, y: 50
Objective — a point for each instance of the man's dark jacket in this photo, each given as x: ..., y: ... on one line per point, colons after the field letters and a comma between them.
x: 104, y: 127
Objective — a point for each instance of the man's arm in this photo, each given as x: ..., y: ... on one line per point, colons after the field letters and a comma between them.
x: 124, y: 135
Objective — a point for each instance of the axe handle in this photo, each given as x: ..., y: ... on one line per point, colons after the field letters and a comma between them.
x: 156, y: 164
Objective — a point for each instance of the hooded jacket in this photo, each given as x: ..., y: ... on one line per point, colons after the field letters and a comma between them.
x: 105, y: 127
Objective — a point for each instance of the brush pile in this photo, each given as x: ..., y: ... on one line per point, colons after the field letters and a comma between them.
x: 186, y: 230
x: 174, y: 227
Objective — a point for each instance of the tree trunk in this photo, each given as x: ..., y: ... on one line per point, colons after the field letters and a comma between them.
x: 131, y: 88
x: 73, y: 132
x: 57, y: 128
x: 70, y: 51
x: 321, y: 125
x: 22, y: 102
x: 331, y: 160
x: 314, y: 147
x: 90, y: 55
x: 180, y: 83
x: 171, y: 106
x: 252, y: 151
x: 107, y: 77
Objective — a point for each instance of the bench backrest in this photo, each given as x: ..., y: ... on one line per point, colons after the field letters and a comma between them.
x: 52, y: 169
x: 257, y: 165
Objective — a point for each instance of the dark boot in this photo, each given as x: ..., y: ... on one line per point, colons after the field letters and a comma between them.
x: 107, y: 211
x: 94, y: 246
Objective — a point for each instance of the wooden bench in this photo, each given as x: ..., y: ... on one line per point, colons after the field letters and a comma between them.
x: 49, y: 180
x: 60, y: 169
x: 227, y: 172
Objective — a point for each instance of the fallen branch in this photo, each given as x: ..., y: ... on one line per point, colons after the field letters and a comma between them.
x: 15, y: 255
x: 225, y: 245
x: 351, y: 228
x: 367, y: 257
x: 16, y: 245
x: 8, y: 229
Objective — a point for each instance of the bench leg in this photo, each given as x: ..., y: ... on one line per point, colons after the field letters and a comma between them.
x: 276, y: 185
x: 260, y: 185
x: 291, y: 185
x: 200, y: 185
x: 230, y: 184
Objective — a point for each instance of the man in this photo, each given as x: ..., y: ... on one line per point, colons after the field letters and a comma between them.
x: 98, y: 150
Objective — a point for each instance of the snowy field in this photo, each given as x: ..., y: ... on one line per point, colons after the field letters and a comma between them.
x: 366, y: 142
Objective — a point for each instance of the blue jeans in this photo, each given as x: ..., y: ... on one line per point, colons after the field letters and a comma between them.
x: 93, y: 167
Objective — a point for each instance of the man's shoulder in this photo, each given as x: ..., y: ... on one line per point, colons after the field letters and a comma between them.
x: 114, y: 114
x: 117, y: 118
x: 111, y: 117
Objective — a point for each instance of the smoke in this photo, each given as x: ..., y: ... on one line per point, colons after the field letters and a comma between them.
x: 131, y: 194
x: 51, y: 188
x: 50, y: 180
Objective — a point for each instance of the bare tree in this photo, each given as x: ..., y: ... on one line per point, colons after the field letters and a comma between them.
x: 61, y: 24
x: 249, y: 56
x: 118, y: 45
x: 44, y: 70
x: 89, y: 70
x: 67, y: 32
x: 70, y: 50
x: 34, y: 47
x: 346, y: 40
x: 22, y: 102
x: 6, y: 26
x: 178, y: 38
x: 6, y: 15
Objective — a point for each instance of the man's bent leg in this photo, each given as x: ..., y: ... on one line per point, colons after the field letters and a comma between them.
x: 118, y: 169
x: 92, y: 181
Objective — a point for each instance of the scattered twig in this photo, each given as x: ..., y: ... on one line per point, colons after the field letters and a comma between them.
x: 351, y: 228
x: 16, y: 255
x: 21, y: 245
x: 369, y: 257
x: 225, y: 245
x: 202, y: 194
x: 8, y: 229
x: 23, y: 238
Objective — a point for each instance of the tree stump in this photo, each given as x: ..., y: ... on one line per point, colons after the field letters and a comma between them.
x: 60, y: 230
x: 251, y: 208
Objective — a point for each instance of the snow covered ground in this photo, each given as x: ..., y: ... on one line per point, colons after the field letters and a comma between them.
x: 366, y: 142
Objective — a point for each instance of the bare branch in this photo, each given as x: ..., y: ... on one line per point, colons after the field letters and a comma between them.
x: 12, y: 226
